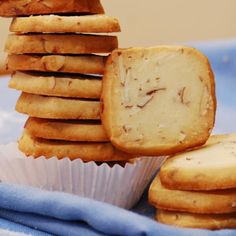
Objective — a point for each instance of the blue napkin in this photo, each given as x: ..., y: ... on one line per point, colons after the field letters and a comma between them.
x: 33, y: 211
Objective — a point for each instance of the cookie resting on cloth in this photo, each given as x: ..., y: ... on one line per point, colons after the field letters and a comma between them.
x: 200, y: 221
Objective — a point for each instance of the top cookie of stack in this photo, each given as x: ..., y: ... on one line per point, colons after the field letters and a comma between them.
x: 58, y: 68
x: 34, y: 7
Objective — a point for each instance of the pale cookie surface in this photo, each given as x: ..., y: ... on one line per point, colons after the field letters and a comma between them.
x: 65, y: 24
x: 158, y: 101
x: 212, y: 202
x: 207, y: 168
x: 86, y: 151
x: 87, y: 64
x: 59, y: 85
x: 57, y: 108
x: 69, y: 130
x: 60, y: 44
x: 203, y: 221
x: 26, y: 7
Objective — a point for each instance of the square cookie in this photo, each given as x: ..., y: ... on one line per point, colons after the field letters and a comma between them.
x: 158, y: 101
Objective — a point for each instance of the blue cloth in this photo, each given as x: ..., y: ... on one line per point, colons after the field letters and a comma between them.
x: 51, y: 213
x: 36, y: 212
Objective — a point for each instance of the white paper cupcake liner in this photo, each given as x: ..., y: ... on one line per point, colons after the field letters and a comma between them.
x: 117, y: 185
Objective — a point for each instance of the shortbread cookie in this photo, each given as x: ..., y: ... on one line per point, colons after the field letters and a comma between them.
x: 60, y: 44
x: 57, y: 108
x: 158, y: 101
x: 86, y: 151
x: 211, y: 202
x: 87, y: 64
x: 203, y: 221
x: 69, y: 130
x: 207, y: 168
x: 34, y: 7
x: 65, y: 24
x: 59, y: 85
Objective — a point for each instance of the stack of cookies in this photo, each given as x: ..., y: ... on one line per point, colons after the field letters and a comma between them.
x: 197, y: 189
x: 58, y: 51
x: 59, y: 61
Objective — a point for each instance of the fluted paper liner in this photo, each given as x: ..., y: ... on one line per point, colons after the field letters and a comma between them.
x: 117, y: 185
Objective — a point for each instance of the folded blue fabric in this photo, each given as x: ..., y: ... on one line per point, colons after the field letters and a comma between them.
x: 38, y: 212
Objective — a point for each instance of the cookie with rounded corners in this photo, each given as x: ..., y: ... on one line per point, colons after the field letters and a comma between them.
x: 34, y: 7
x: 68, y: 130
x: 205, y: 202
x: 201, y: 221
x: 60, y: 44
x: 65, y: 24
x: 87, y: 151
x: 57, y: 108
x: 210, y: 167
x: 85, y: 64
x: 59, y: 85
x: 158, y: 101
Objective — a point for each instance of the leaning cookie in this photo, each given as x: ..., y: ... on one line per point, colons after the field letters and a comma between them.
x: 154, y: 98
x: 65, y: 24
x: 205, y: 202
x: 203, y: 221
x: 57, y: 108
x: 68, y: 130
x: 87, y: 151
x: 210, y: 167
x: 58, y: 85
x: 85, y: 64
x: 35, y: 7
x: 60, y: 44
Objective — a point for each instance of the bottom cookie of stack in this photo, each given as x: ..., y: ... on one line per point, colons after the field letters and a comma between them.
x: 197, y: 189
